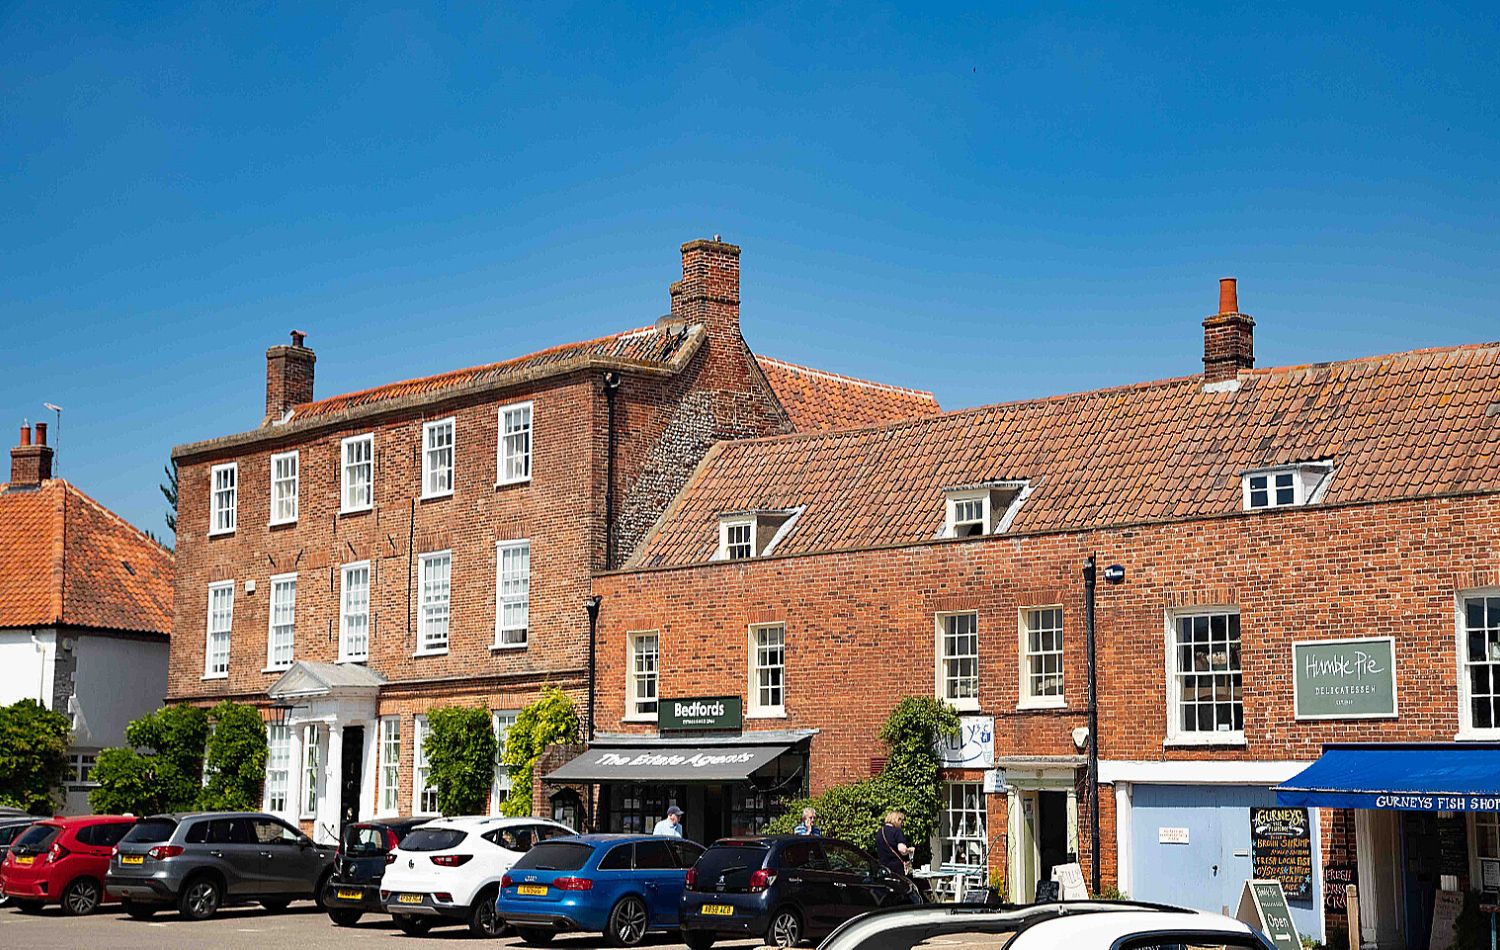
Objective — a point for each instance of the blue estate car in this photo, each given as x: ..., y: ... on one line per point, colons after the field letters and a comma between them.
x: 622, y: 886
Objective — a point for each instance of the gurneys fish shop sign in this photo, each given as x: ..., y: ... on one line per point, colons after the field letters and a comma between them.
x: 1345, y: 679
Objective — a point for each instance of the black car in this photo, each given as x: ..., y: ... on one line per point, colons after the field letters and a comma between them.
x: 363, y: 854
x: 784, y: 889
x: 11, y: 826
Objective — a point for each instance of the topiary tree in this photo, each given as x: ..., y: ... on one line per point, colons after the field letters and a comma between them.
x: 460, y: 748
x: 168, y: 777
x: 234, y: 760
x: 33, y: 755
x: 909, y: 782
x: 550, y: 720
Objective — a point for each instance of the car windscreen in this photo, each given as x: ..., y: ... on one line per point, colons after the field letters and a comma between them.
x: 555, y: 856
x: 364, y: 840
x: 433, y: 839
x: 150, y: 831
x: 732, y: 863
x: 36, y: 839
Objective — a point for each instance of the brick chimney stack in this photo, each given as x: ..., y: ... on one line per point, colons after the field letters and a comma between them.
x: 289, y: 376
x: 709, y: 292
x: 31, y: 461
x: 1228, y: 337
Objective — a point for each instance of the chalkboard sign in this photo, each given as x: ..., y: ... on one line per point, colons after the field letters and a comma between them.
x: 1453, y: 846
x: 1047, y: 892
x: 1281, y: 849
x: 1335, y: 877
x: 1263, y: 906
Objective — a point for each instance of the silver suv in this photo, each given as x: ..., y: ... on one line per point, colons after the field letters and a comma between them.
x: 200, y: 862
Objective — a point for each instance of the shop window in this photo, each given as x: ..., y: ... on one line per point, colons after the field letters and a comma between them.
x: 958, y: 659
x: 768, y: 670
x: 1480, y: 653
x: 567, y: 808
x: 1487, y: 834
x: 640, y: 690
x: 1205, y: 679
x: 963, y: 830
x: 1042, y: 648
x: 635, y: 809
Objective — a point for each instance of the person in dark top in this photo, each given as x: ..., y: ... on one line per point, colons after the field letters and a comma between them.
x: 892, y: 849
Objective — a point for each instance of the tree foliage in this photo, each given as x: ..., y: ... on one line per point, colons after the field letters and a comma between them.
x: 33, y: 755
x: 460, y: 748
x: 551, y: 720
x: 234, y: 760
x: 162, y: 768
x: 169, y: 492
x: 909, y: 782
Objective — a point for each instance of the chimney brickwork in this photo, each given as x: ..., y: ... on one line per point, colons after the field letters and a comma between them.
x: 709, y: 292
x: 1228, y: 337
x: 31, y: 461
x: 289, y: 376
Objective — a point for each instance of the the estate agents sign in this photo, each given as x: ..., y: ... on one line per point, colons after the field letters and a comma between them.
x: 1344, y: 679
x: 700, y: 712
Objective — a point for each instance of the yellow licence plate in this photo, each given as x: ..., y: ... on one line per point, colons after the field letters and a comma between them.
x: 348, y: 895
x: 25, y: 859
x: 409, y: 899
x: 132, y: 859
x: 533, y: 890
x: 718, y: 910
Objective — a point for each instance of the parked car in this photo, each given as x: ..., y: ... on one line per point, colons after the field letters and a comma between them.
x: 367, y: 847
x: 449, y: 870
x: 622, y: 886
x: 11, y: 826
x: 63, y: 861
x: 1076, y: 925
x: 200, y: 862
x: 784, y: 889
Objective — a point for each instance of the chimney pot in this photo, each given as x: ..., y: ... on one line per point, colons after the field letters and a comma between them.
x: 298, y: 337
x: 31, y: 463
x: 1228, y: 337
x: 41, y: 433
x: 1228, y: 296
x: 25, y: 434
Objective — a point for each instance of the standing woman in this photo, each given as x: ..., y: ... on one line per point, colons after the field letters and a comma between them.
x: 892, y: 849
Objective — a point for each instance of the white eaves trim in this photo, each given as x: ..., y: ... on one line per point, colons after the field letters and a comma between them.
x: 1271, y: 772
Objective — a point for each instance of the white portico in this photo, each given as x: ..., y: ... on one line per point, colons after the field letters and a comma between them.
x: 320, y: 764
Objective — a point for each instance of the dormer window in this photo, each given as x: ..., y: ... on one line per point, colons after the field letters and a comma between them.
x: 1286, y: 486
x: 985, y: 508
x: 747, y: 534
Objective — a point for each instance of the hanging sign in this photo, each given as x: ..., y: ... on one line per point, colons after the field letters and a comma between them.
x: 1344, y: 679
x: 974, y: 748
x: 1263, y: 906
x: 1281, y: 848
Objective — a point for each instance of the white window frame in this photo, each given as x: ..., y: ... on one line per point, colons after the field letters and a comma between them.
x: 1466, y: 727
x: 279, y: 485
x: 1176, y: 735
x: 421, y: 770
x: 963, y: 820
x: 348, y: 614
x: 759, y: 709
x: 943, y: 659
x: 1309, y: 482
x: 388, y: 772
x: 280, y: 582
x: 954, y: 500
x: 346, y: 467
x: 209, y: 653
x: 725, y: 526
x: 429, y: 608
x: 501, y: 721
x: 230, y: 521
x: 278, y: 782
x: 503, y: 452
x: 428, y: 470
x: 510, y: 636
x: 1028, y: 698
x: 635, y: 679
x: 311, y: 772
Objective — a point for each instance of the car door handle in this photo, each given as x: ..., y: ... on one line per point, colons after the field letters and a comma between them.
x: 839, y: 884
x: 217, y: 854
x: 794, y: 880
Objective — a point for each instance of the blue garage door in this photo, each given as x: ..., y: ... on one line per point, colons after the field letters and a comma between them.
x: 1209, y: 871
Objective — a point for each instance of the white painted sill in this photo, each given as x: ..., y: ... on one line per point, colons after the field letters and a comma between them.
x: 221, y: 532
x: 356, y: 511
x: 1477, y: 735
x: 1234, y: 739
x: 278, y: 669
x: 513, y: 481
x: 1033, y: 705
x: 354, y: 659
x: 441, y: 494
x: 637, y: 717
x: 278, y: 524
x: 772, y: 713
x: 433, y: 652
x: 962, y: 705
x: 216, y: 676
x: 499, y: 647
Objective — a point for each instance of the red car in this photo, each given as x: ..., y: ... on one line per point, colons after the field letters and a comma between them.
x: 62, y: 861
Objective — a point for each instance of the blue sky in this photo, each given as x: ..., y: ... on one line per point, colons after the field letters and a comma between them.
x: 992, y: 202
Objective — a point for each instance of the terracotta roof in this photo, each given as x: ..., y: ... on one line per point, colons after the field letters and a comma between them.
x: 647, y: 347
x: 1409, y: 424
x: 818, y: 400
x: 66, y: 559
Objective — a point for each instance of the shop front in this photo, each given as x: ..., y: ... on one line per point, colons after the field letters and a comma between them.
x: 1427, y: 829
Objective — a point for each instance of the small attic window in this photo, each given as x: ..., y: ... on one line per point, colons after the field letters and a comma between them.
x: 985, y: 508
x: 1286, y: 486
x: 748, y: 534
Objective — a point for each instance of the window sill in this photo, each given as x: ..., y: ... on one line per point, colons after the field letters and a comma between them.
x: 1476, y: 735
x: 221, y: 533
x: 216, y: 676
x: 1035, y: 705
x: 962, y: 705
x: 1208, y: 739
x: 514, y: 481
x: 437, y: 497
x: 506, y: 647
x: 774, y: 712
x: 442, y: 652
x: 277, y: 669
x: 638, y: 718
x: 356, y: 511
x: 354, y: 659
x: 281, y: 524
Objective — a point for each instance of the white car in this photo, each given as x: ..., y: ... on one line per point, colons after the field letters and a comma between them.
x: 1075, y: 925
x: 449, y: 870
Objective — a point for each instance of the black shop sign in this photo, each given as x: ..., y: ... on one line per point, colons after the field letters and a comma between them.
x: 1281, y: 849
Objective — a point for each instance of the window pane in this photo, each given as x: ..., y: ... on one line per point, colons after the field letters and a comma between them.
x: 283, y: 622
x: 513, y: 593
x: 354, y: 641
x: 1209, y: 694
x: 436, y: 591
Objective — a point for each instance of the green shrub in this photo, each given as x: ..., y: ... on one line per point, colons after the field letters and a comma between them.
x: 33, y: 756
x: 234, y: 760
x: 551, y: 720
x: 460, y: 749
x: 168, y: 777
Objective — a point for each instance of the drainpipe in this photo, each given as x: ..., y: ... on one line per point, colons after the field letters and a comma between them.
x: 611, y: 387
x: 592, y: 606
x: 1089, y: 572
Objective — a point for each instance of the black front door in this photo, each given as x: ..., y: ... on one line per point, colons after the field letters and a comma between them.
x: 352, y: 775
x: 1052, y: 832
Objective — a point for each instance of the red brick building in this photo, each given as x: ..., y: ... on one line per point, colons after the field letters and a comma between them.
x: 364, y: 557
x: 818, y: 577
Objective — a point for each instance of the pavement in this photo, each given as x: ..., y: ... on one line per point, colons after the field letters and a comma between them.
x: 302, y: 927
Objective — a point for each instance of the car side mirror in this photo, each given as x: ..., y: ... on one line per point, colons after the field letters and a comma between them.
x: 303, y: 841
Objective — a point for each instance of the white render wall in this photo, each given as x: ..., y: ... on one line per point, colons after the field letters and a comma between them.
x: 26, y: 665
x: 117, y: 680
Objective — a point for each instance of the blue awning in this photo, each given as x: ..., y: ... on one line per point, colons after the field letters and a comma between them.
x: 1417, y: 777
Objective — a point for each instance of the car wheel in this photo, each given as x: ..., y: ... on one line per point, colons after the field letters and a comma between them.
x: 345, y: 918
x: 412, y: 925
x: 534, y: 936
x: 276, y: 906
x: 698, y: 939
x: 200, y: 898
x: 785, y: 929
x: 81, y: 898
x: 28, y: 907
x: 137, y: 911
x: 318, y: 893
x: 483, y: 920
x: 627, y: 923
